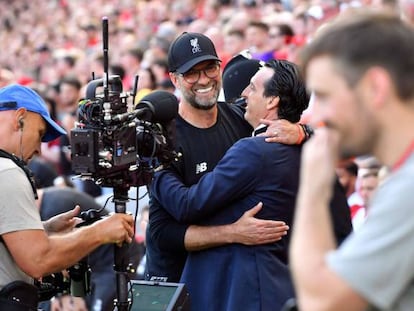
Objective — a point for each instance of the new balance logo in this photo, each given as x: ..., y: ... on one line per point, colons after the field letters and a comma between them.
x: 200, y: 168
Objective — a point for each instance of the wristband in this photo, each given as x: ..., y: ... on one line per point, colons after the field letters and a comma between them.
x: 308, y: 130
x: 302, y: 134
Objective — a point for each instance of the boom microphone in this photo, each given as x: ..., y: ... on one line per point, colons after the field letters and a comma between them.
x: 157, y: 107
x: 144, y: 113
x: 162, y: 105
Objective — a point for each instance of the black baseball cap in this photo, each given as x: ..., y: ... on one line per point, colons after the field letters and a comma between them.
x: 237, y: 74
x: 188, y: 50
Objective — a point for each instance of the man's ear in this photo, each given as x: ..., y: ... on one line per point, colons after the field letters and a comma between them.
x: 173, y: 78
x: 273, y: 102
x: 18, y: 118
x: 379, y: 86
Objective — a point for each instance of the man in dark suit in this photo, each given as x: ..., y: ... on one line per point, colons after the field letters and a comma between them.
x: 235, y: 276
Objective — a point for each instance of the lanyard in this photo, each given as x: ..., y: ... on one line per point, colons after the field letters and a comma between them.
x: 404, y: 157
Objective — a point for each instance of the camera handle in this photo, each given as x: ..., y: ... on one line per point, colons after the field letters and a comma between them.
x: 121, y: 260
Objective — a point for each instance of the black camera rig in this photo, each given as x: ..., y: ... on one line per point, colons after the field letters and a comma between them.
x: 120, y: 145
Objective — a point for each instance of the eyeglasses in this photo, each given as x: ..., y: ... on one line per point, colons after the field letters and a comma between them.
x: 192, y: 76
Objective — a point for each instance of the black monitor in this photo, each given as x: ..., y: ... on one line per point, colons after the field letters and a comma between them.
x: 159, y: 296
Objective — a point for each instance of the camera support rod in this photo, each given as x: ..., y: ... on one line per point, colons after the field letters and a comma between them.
x: 105, y: 40
x: 120, y: 194
x: 121, y: 258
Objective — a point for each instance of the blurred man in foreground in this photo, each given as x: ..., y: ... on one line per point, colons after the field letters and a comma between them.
x: 361, y: 71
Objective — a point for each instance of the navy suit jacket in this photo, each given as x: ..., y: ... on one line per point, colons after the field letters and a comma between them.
x: 238, y: 277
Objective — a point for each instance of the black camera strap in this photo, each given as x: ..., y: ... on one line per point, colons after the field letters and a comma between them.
x: 22, y: 164
x: 18, y: 295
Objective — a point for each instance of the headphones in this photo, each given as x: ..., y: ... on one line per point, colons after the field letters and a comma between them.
x: 21, y: 124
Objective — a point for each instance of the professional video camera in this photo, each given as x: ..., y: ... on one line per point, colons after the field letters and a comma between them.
x: 112, y: 145
x: 120, y: 145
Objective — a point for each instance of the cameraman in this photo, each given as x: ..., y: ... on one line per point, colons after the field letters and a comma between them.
x: 26, y: 251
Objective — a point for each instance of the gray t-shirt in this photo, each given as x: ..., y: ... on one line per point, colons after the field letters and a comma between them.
x: 378, y: 260
x: 17, y: 212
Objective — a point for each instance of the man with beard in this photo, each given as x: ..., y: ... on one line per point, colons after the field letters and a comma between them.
x: 365, y: 97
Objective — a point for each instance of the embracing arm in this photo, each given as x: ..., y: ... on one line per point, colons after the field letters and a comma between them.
x: 38, y: 254
x: 247, y: 230
x: 164, y: 230
x: 284, y: 132
x: 215, y: 189
x: 170, y: 235
x: 312, y: 219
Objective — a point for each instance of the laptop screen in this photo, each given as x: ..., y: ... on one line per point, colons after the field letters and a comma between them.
x: 150, y: 296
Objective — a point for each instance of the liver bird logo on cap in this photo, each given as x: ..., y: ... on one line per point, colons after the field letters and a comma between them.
x: 196, y: 47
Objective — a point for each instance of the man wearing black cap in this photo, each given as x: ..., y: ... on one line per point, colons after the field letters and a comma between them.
x: 26, y: 251
x: 205, y: 130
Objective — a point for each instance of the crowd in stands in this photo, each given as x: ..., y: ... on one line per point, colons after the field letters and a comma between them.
x: 49, y: 40
x: 55, y: 47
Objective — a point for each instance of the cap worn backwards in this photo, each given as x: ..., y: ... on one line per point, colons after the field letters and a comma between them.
x: 188, y: 50
x: 15, y: 96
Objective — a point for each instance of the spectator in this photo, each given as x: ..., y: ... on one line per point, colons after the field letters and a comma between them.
x: 234, y: 42
x: 216, y: 35
x: 281, y: 36
x: 257, y: 36
x: 72, y: 29
x: 237, y: 74
x: 366, y: 164
x: 407, y: 10
x: 65, y: 65
x: 347, y: 172
x: 160, y: 69
x: 131, y: 61
x: 6, y: 77
x: 368, y: 185
x: 359, y: 93
x: 146, y: 83
x: 239, y: 21
x: 69, y: 95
